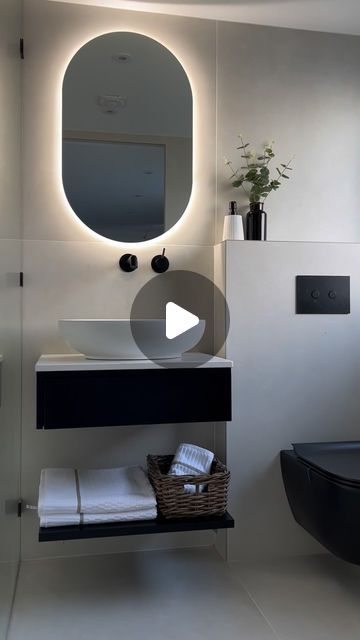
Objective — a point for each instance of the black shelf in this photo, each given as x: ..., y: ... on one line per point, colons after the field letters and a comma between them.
x: 160, y: 525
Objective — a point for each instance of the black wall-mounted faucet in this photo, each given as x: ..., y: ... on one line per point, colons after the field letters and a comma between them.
x: 128, y: 262
x: 160, y: 263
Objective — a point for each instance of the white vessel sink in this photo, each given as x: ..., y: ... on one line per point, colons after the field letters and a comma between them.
x: 113, y: 339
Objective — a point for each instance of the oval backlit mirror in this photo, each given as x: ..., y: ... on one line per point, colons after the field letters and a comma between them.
x: 127, y: 137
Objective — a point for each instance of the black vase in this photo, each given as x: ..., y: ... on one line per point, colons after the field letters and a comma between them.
x: 256, y: 222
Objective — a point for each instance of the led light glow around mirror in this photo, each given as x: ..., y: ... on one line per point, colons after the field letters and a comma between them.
x: 127, y: 137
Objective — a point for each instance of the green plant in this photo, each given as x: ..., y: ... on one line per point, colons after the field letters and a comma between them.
x: 254, y: 177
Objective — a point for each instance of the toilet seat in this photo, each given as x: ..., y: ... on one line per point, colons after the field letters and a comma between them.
x: 322, y: 484
x: 340, y: 461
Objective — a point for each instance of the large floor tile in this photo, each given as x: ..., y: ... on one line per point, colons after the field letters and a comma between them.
x: 166, y: 595
x: 306, y: 598
x: 8, y: 573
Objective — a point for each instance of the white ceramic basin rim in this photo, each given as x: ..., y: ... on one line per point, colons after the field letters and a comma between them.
x: 121, y: 339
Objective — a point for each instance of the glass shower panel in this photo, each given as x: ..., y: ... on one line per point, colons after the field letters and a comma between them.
x: 10, y: 402
x: 10, y: 302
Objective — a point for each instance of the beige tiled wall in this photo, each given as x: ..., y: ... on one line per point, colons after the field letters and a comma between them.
x: 301, y: 89
x: 70, y: 274
x: 295, y: 379
x: 294, y: 86
x: 53, y: 33
x: 67, y: 279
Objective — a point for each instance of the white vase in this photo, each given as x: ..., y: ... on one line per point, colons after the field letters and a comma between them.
x: 233, y: 228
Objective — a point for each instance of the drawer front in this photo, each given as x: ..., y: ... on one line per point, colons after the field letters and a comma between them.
x: 74, y: 399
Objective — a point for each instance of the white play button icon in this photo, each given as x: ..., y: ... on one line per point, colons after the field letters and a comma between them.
x: 183, y: 304
x: 178, y: 320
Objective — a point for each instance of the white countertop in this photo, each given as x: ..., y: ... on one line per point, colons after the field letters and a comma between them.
x: 78, y: 362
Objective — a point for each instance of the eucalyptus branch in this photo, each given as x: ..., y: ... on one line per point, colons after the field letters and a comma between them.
x: 244, y: 147
x: 286, y: 167
x: 257, y: 173
x: 281, y: 175
x: 235, y: 174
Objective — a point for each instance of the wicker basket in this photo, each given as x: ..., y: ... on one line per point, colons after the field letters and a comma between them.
x: 172, y: 500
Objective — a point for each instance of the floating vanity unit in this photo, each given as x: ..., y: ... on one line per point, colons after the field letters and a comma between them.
x: 75, y: 392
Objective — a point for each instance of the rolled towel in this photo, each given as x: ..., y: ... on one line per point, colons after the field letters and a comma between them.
x: 63, y: 519
x: 191, y: 460
x: 91, y: 491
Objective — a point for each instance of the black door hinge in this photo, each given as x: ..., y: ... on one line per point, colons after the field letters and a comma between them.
x: 21, y: 279
x: 19, y: 508
x: 22, y: 54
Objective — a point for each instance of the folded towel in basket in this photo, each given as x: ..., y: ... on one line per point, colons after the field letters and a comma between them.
x: 68, y: 519
x: 191, y: 460
x: 94, y: 491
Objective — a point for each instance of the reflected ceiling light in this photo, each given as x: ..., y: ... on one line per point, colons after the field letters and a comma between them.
x: 111, y: 103
x: 121, y: 57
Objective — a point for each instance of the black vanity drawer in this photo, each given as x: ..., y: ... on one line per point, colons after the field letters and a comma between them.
x: 69, y: 399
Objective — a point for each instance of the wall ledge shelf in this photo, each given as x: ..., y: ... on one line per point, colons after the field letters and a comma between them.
x: 140, y: 527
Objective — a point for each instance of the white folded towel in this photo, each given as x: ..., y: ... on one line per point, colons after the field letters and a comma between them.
x: 191, y: 460
x: 63, y: 519
x: 94, y: 491
x: 115, y: 490
x: 57, y: 491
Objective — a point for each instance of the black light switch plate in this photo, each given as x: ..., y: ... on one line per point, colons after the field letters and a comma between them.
x: 323, y: 294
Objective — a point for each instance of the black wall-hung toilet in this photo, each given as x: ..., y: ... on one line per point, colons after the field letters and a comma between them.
x: 322, y: 484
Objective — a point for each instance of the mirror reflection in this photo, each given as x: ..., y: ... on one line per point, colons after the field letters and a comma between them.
x: 127, y: 137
